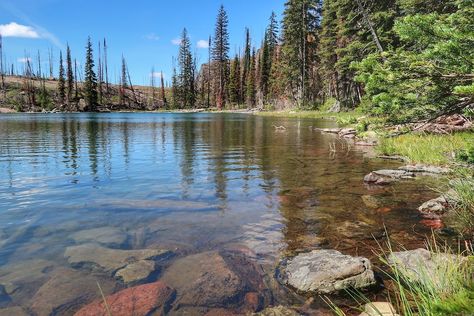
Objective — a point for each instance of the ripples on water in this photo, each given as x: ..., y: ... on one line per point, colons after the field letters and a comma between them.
x: 188, y: 182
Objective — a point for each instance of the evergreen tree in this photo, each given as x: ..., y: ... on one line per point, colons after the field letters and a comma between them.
x: 234, y: 82
x: 175, y: 88
x: 301, y: 23
x: 69, y: 74
x: 250, y: 86
x: 246, y: 63
x: 123, y: 81
x: 220, y: 54
x: 90, y: 80
x: 186, y: 72
x: 61, y: 80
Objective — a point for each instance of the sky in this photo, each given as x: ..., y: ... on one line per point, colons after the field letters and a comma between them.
x: 146, y: 32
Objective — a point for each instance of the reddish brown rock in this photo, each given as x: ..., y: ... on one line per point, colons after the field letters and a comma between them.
x: 140, y: 300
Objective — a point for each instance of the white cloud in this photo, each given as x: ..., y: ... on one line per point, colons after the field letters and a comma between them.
x: 176, y: 41
x: 152, y: 37
x: 203, y: 44
x: 14, y: 29
x: 24, y: 60
x: 157, y: 74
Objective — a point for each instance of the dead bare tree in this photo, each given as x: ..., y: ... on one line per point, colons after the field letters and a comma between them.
x: 370, y: 25
x: 51, y: 69
x: 106, y: 68
x: 163, y: 95
x: 152, y: 85
x: 2, y: 74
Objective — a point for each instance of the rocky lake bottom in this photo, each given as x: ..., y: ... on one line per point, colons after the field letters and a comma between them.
x: 192, y: 214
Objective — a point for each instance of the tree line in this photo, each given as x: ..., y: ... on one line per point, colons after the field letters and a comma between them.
x: 405, y: 59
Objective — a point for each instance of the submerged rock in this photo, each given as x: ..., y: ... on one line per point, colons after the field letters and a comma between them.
x: 109, y: 260
x: 137, y: 271
x: 21, y: 280
x: 67, y: 290
x: 435, y: 208
x: 141, y: 300
x: 371, y: 201
x: 110, y: 236
x: 326, y: 271
x: 277, y: 311
x: 215, y: 279
x: 13, y: 311
x: 383, y: 177
x: 419, y: 168
x: 419, y: 264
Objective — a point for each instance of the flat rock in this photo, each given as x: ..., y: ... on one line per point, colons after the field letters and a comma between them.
x: 420, y: 263
x: 13, y: 311
x: 109, y: 260
x: 277, y: 311
x: 326, y: 271
x: 21, y: 280
x: 371, y: 201
x: 434, y: 208
x: 379, y: 309
x: 110, y: 236
x: 136, y: 272
x: 214, y: 279
x: 141, y: 300
x: 67, y: 290
x: 419, y: 168
x: 387, y: 176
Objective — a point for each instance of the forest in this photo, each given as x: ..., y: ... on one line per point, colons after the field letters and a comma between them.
x: 405, y: 60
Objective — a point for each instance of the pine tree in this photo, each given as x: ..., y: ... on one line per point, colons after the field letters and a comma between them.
x: 220, y: 54
x: 301, y: 23
x: 90, y: 80
x: 246, y: 64
x: 250, y: 86
x: 69, y: 74
x: 163, y: 95
x: 175, y: 88
x: 61, y: 80
x: 186, y: 72
x: 234, y: 82
x: 123, y: 81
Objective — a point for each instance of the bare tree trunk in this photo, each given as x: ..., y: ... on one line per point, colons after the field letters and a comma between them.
x: 370, y: 25
x: 106, y: 68
x: 163, y: 96
x: 2, y: 74
x: 51, y: 69
x: 75, y: 80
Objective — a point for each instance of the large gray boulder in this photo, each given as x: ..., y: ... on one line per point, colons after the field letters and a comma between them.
x: 326, y: 271
x: 420, y: 264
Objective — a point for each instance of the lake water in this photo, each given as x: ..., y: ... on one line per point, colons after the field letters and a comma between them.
x: 189, y: 183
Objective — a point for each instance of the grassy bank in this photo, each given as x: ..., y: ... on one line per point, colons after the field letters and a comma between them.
x: 428, y: 149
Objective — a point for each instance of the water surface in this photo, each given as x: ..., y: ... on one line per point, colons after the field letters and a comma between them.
x: 190, y: 183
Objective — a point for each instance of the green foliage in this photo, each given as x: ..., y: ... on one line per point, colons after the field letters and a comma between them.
x: 430, y: 73
x: 466, y: 155
x: 461, y: 191
x: 187, y: 93
x: 234, y: 82
x: 220, y: 56
x: 61, y: 80
x: 90, y: 81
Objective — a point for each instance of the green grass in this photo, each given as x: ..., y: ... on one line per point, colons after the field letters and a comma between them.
x: 429, y: 149
x: 461, y: 216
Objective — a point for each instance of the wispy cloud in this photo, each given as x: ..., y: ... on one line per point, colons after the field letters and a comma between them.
x: 176, y: 41
x: 14, y: 29
x: 152, y: 37
x: 203, y: 44
x: 24, y: 60
x: 40, y: 31
x: 157, y: 74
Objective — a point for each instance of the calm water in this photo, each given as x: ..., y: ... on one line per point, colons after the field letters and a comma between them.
x: 190, y: 183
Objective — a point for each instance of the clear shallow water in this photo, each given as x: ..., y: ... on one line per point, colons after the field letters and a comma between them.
x: 190, y: 183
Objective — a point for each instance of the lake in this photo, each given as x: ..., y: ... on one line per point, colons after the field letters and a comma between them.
x: 186, y: 183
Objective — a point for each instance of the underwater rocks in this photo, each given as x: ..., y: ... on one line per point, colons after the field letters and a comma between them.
x: 13, y: 311
x: 277, y: 311
x: 216, y: 279
x: 109, y: 260
x: 326, y: 271
x: 436, y: 208
x: 137, y: 271
x: 67, y: 290
x: 109, y: 236
x: 425, y: 169
x: 387, y: 176
x: 141, y: 300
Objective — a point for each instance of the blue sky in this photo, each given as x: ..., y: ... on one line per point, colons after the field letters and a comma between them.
x: 143, y: 30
